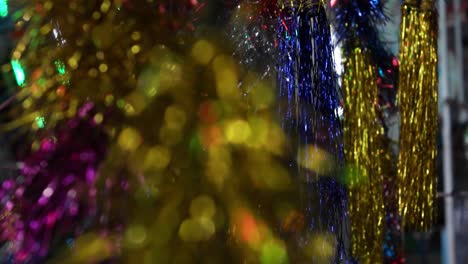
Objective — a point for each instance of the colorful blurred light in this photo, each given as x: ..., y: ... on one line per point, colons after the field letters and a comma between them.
x: 19, y: 72
x: 3, y: 8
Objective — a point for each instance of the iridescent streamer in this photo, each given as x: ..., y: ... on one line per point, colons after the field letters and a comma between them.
x: 310, y: 100
x: 363, y: 150
x: 417, y: 99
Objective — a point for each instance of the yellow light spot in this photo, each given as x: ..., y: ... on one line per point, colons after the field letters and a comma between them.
x: 98, y: 118
x: 237, y: 131
x: 321, y: 247
x: 157, y: 158
x: 136, y: 35
x: 105, y: 6
x: 136, y: 103
x: 103, y: 67
x: 259, y: 135
x: 129, y: 139
x: 262, y: 95
x: 169, y: 135
x: 73, y: 61
x: 313, y: 158
x: 96, y: 15
x: 226, y: 77
x: 175, y: 117
x: 100, y: 55
x: 93, y: 72
x: 135, y: 49
x: 109, y: 99
x: 203, y: 51
x: 48, y: 5
x: 135, y: 236
x: 202, y: 207
x: 45, y: 29
x: 194, y: 230
x: 90, y: 247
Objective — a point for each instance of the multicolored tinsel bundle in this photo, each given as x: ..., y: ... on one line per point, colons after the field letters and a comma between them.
x: 309, y: 104
x: 363, y: 134
x: 417, y: 98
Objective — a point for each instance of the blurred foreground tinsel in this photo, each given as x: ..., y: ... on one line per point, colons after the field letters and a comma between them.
x: 149, y: 143
x: 194, y: 167
x: 55, y: 194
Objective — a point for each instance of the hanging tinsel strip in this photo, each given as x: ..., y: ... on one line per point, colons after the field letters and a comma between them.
x: 363, y: 151
x: 356, y: 25
x: 310, y: 100
x: 417, y: 98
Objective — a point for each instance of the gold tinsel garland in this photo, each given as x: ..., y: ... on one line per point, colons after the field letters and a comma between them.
x: 417, y: 98
x: 362, y: 136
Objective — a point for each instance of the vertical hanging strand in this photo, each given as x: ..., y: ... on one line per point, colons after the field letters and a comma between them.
x: 308, y: 89
x: 363, y: 150
x: 417, y: 98
x: 356, y: 24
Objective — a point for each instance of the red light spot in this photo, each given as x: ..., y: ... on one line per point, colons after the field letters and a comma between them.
x: 249, y: 227
x: 207, y: 112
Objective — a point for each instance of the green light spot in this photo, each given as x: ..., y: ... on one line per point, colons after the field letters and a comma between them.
x: 60, y: 67
x: 19, y: 72
x: 273, y: 252
x: 120, y: 103
x: 3, y: 8
x: 40, y: 121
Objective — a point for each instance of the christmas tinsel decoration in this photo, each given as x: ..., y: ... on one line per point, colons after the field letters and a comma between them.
x: 363, y: 150
x: 309, y: 103
x: 417, y: 99
x: 356, y: 23
x: 54, y: 198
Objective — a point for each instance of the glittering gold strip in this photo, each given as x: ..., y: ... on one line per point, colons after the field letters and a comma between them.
x: 417, y: 98
x: 363, y: 151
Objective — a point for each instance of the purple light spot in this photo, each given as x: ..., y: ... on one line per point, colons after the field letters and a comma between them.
x: 85, y: 109
x: 73, y: 210
x: 48, y: 192
x: 7, y: 185
x: 90, y: 175
x: 47, y: 145
x: 92, y: 192
x: 34, y: 225
x: 71, y: 194
x: 69, y: 179
x: 51, y: 218
x: 19, y: 192
x: 9, y: 205
x: 43, y: 200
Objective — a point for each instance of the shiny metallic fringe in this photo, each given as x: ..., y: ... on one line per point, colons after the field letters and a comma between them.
x: 417, y: 99
x: 364, y: 155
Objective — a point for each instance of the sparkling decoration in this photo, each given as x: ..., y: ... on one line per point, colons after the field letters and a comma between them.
x: 363, y: 150
x: 417, y: 98
x: 145, y: 134
x: 364, y: 138
x: 309, y: 103
x: 253, y: 32
x: 54, y: 197
x: 63, y: 60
